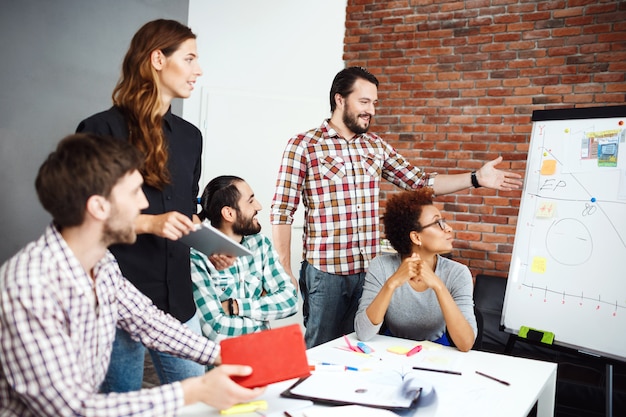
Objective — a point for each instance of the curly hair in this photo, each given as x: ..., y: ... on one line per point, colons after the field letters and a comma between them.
x: 402, y: 215
x: 137, y: 94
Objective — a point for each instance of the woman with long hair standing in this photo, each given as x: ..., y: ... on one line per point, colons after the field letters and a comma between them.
x: 161, y: 64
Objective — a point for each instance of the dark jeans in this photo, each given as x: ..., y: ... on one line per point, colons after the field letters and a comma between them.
x: 330, y: 303
x: 125, y: 371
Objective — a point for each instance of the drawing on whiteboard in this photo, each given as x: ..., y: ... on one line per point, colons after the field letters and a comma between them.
x: 569, y: 242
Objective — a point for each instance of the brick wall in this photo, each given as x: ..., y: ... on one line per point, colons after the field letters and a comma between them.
x: 460, y: 80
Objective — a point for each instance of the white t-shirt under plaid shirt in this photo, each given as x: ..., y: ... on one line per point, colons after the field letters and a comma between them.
x: 57, y: 326
x: 258, y: 284
x: 339, y: 183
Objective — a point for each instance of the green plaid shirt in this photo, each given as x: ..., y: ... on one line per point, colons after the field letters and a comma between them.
x: 244, y: 282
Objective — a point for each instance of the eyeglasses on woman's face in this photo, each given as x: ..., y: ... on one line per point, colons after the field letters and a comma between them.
x: 441, y: 222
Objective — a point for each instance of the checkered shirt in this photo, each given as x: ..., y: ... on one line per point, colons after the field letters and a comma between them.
x: 339, y: 183
x: 57, y: 326
x: 244, y: 282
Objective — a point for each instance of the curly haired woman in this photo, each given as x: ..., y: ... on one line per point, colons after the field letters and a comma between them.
x: 416, y: 292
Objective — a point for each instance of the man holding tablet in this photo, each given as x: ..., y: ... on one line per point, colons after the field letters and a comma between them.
x: 243, y: 297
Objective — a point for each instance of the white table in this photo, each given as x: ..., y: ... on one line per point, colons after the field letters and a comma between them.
x: 468, y: 394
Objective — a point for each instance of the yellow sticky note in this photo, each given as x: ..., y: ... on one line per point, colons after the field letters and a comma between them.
x: 250, y: 407
x: 548, y: 167
x: 399, y: 350
x: 539, y: 265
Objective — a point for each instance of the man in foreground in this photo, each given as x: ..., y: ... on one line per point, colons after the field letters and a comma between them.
x: 62, y: 296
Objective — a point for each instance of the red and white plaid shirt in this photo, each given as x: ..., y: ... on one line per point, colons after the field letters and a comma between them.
x: 57, y: 326
x: 339, y: 183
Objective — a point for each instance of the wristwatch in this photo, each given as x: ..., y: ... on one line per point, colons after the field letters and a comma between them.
x: 475, y: 180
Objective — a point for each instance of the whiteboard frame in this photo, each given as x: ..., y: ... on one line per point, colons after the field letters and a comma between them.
x: 515, y: 266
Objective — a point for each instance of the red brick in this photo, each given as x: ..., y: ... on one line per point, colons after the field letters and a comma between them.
x: 459, y: 83
x: 568, y: 12
x: 609, y: 7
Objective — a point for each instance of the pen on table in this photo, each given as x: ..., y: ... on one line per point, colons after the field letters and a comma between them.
x: 443, y: 371
x: 352, y: 348
x: 287, y: 414
x: 493, y: 378
x: 325, y: 366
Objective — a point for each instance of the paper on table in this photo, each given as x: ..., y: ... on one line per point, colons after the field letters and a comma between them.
x: 348, y: 411
x: 389, y: 389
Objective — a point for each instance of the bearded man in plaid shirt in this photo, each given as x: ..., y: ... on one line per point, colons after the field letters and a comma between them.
x: 336, y: 170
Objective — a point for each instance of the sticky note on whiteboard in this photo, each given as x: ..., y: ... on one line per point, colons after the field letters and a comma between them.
x: 538, y: 265
x: 548, y: 167
x: 546, y: 209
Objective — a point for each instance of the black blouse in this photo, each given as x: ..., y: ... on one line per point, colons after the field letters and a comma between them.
x: 159, y: 267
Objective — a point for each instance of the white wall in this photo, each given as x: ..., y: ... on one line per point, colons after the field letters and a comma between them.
x: 268, y: 66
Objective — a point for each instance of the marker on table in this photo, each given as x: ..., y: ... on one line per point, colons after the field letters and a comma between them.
x: 352, y: 348
x: 325, y: 366
x: 443, y: 371
x: 493, y: 378
x: 364, y: 348
x: 415, y: 350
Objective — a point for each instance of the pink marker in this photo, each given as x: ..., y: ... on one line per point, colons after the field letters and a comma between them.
x: 350, y: 346
x: 415, y: 350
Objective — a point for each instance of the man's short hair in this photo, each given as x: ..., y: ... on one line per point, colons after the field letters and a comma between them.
x: 344, y: 82
x: 220, y: 192
x: 82, y: 165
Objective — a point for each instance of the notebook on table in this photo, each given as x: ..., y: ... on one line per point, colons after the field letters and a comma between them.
x: 275, y: 355
x: 387, y: 390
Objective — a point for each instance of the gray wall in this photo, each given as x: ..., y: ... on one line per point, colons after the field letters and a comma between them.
x: 60, y: 61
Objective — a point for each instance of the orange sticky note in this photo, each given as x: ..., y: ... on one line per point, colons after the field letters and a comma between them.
x: 548, y: 167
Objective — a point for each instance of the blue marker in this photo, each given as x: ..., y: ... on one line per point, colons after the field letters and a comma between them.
x: 593, y: 199
x: 364, y: 347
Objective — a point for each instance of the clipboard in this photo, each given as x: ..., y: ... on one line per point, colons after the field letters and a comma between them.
x: 355, y: 388
x: 275, y: 355
x: 209, y: 240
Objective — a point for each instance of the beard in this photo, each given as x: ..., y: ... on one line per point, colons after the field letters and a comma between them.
x: 113, y: 234
x: 246, y: 227
x: 351, y: 120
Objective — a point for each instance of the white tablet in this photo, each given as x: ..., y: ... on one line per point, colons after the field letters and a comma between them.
x: 208, y: 240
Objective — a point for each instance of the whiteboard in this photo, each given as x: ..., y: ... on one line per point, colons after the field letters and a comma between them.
x: 568, y: 267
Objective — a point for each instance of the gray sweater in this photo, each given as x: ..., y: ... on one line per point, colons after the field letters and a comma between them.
x: 411, y: 314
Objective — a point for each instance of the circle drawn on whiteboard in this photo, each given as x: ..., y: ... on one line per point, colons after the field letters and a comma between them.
x: 569, y: 242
